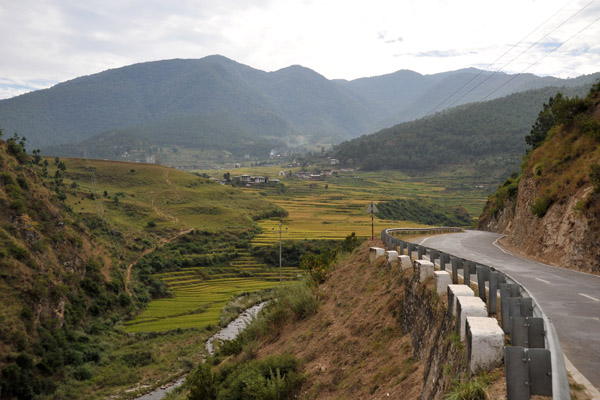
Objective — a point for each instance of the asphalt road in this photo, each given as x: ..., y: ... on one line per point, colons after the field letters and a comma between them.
x: 569, y: 298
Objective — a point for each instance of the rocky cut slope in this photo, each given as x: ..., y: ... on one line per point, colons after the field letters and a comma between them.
x: 551, y: 209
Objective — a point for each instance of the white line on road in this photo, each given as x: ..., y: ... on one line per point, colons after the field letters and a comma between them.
x: 500, y: 247
x: 589, y: 297
x: 542, y: 280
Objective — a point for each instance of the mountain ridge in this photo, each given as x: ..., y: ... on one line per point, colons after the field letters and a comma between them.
x: 205, y: 99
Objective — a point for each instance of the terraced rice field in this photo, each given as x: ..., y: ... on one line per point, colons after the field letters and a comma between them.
x: 198, y: 301
x: 330, y: 209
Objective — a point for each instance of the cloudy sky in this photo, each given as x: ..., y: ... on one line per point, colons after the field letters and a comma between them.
x: 49, y: 41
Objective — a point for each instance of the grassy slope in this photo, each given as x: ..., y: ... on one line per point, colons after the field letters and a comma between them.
x: 355, y: 346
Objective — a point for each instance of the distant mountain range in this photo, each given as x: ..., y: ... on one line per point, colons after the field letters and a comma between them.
x: 488, y: 136
x: 217, y: 104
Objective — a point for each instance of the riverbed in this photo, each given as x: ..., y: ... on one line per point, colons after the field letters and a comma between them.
x: 231, y: 331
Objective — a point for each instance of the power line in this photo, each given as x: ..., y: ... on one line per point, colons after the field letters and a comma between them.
x: 513, y: 59
x: 540, y: 59
x: 497, y: 59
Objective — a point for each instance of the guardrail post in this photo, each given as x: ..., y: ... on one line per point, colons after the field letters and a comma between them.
x: 467, y: 266
x: 402, y: 246
x: 528, y: 372
x: 507, y: 290
x: 433, y: 255
x: 519, y: 307
x: 409, y: 249
x: 454, y: 262
x: 517, y: 373
x: 527, y: 332
x: 493, y: 301
x: 420, y: 252
x: 483, y: 275
x: 443, y: 261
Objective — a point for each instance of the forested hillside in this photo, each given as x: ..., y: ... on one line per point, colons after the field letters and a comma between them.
x: 190, y: 101
x: 486, y: 135
x: 550, y: 209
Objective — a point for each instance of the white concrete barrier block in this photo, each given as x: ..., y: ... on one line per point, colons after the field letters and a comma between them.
x: 405, y: 263
x: 468, y: 306
x: 442, y: 280
x: 375, y: 253
x: 392, y: 257
x: 455, y: 291
x: 423, y: 269
x: 485, y: 343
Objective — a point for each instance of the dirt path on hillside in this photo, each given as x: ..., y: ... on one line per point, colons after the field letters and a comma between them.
x: 157, y: 210
x: 161, y: 242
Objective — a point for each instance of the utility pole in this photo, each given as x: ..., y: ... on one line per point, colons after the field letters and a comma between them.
x: 280, y: 273
x: 372, y: 209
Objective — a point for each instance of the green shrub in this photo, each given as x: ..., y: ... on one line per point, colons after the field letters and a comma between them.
x: 301, y: 300
x: 595, y: 176
x: 472, y: 389
x: 6, y: 178
x: 231, y: 347
x: 18, y: 252
x: 588, y: 125
x: 202, y: 383
x: 275, y: 377
x: 541, y: 205
x: 18, y: 206
x: 83, y: 373
x: 23, y: 182
x: 139, y: 358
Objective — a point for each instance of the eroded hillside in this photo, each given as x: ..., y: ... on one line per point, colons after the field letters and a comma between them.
x: 551, y: 209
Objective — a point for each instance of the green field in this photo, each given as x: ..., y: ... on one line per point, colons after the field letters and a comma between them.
x: 198, y: 302
x: 334, y: 207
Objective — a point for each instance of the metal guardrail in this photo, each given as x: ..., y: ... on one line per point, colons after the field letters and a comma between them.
x: 531, y: 369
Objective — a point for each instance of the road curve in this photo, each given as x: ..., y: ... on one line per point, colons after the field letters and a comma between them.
x: 569, y: 298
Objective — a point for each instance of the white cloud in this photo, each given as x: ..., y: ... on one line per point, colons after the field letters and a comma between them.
x: 57, y: 40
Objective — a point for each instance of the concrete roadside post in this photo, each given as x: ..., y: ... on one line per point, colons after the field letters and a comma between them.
x: 453, y: 292
x: 423, y: 269
x: 442, y: 280
x: 485, y: 343
x: 468, y: 306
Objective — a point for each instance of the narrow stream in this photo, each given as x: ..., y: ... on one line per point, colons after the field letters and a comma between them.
x: 231, y: 331
x: 234, y: 328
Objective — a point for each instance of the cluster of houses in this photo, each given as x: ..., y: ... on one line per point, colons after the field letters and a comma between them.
x: 256, y: 180
x: 315, y: 177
